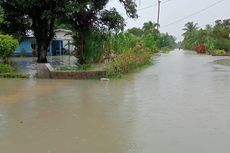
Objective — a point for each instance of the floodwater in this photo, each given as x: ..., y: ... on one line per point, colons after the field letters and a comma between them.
x: 181, y: 104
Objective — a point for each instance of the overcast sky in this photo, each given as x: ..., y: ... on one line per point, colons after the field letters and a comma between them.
x: 174, y: 10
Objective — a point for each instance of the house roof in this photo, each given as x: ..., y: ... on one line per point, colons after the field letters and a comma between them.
x: 63, y: 30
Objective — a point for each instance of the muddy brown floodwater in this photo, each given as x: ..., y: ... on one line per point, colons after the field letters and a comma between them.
x: 179, y: 105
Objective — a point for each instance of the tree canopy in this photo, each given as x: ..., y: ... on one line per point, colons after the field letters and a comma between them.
x: 213, y: 37
x: 36, y: 15
x: 40, y: 17
x: 90, y: 14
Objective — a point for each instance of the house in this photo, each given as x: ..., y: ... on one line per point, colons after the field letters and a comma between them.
x: 26, y: 46
x: 61, y: 44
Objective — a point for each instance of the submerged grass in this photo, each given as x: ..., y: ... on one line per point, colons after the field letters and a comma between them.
x: 7, y: 71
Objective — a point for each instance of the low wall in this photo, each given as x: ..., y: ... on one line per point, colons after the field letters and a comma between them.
x: 86, y: 75
x: 77, y: 75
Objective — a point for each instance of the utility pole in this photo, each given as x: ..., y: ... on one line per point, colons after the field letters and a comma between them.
x: 158, y: 15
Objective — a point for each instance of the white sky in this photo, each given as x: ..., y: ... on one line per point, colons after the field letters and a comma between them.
x: 173, y: 10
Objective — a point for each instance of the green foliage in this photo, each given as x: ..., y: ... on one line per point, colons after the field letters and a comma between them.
x: 7, y: 71
x: 93, y: 51
x: 84, y: 67
x: 150, y: 27
x: 151, y: 42
x: 7, y: 46
x: 36, y: 15
x: 223, y: 44
x: 112, y: 19
x: 152, y: 38
x: 91, y: 14
x: 123, y: 41
x: 13, y: 75
x: 74, y: 68
x: 190, y: 36
x: 209, y: 43
x: 214, y: 38
x: 168, y: 41
x: 93, y: 45
x: 219, y: 52
x: 2, y: 21
x: 4, y: 68
x: 165, y: 50
x: 127, y: 61
x: 136, y: 31
x: 149, y: 36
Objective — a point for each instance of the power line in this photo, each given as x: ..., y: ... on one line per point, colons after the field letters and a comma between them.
x: 150, y: 6
x: 155, y: 4
x: 193, y: 14
x: 199, y: 26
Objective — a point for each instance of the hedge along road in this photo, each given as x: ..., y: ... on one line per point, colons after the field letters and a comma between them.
x: 178, y: 105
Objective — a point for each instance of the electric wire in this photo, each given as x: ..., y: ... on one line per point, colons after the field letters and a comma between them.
x: 193, y: 14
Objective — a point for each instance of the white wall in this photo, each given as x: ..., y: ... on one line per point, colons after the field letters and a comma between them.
x: 65, y: 36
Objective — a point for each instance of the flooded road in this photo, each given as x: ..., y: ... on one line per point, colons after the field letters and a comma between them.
x: 179, y: 105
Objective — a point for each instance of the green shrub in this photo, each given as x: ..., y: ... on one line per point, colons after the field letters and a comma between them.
x: 165, y: 49
x: 13, y: 75
x: 119, y: 43
x: 6, y: 71
x: 4, y: 68
x: 150, y: 42
x: 7, y: 46
x: 219, y: 52
x: 127, y: 61
x: 222, y: 44
x: 74, y: 68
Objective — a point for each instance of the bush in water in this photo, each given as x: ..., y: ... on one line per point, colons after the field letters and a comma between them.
x: 7, y: 46
x: 4, y: 68
x: 127, y: 61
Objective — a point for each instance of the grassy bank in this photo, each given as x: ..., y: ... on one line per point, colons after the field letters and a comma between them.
x: 7, y: 71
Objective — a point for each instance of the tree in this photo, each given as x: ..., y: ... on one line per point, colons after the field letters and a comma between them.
x: 167, y: 40
x: 221, y: 32
x: 213, y: 37
x: 150, y: 27
x: 36, y: 15
x: 88, y: 14
x: 190, y: 35
x: 1, y: 18
x: 135, y: 31
x: 7, y: 45
x: 189, y: 28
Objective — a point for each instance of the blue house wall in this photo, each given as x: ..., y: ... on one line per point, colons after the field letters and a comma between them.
x: 25, y: 47
x: 56, y: 46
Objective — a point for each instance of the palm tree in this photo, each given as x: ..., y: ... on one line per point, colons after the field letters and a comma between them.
x: 190, y: 28
x: 150, y: 27
x: 190, y: 35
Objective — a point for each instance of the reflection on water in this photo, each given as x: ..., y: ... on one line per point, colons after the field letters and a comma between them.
x: 179, y: 105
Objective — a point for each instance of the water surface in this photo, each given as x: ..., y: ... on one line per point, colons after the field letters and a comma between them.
x: 179, y: 105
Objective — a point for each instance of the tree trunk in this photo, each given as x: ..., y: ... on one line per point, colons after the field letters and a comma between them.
x: 43, y: 31
x: 42, y: 52
x: 81, y: 48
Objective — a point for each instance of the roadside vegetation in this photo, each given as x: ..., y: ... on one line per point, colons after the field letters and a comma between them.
x: 122, y: 51
x: 7, y: 45
x: 98, y: 32
x: 215, y: 38
x: 7, y: 71
x: 133, y: 58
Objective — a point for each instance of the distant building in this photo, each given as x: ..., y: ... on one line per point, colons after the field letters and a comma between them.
x: 62, y: 41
